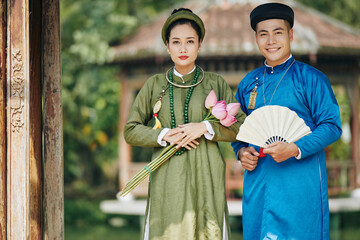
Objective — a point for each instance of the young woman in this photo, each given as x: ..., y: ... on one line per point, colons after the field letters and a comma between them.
x: 187, y: 193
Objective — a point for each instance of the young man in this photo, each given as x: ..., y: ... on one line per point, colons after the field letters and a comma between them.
x: 285, y: 193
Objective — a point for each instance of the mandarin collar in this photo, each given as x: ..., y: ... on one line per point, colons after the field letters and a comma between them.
x: 280, y: 67
x: 178, y: 78
x: 180, y: 75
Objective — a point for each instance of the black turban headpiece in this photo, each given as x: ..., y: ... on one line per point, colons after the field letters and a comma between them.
x: 271, y: 11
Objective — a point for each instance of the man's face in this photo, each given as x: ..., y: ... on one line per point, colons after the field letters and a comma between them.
x: 273, y: 38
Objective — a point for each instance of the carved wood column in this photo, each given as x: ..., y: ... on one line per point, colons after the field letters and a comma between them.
x: 23, y: 122
x: 18, y: 164
x: 2, y: 119
x: 53, y: 123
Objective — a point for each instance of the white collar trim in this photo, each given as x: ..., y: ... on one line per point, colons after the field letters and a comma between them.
x: 279, y: 64
x: 180, y: 75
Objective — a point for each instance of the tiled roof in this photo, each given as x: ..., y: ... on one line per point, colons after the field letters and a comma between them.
x: 228, y: 32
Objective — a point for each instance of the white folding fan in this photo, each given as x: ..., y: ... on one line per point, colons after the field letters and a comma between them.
x: 270, y: 124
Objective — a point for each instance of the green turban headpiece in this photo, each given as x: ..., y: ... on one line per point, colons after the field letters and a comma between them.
x: 183, y: 14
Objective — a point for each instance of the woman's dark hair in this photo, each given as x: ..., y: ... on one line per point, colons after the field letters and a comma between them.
x: 181, y: 22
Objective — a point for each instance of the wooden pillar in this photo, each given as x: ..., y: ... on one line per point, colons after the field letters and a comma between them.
x: 53, y: 123
x: 125, y: 150
x: 23, y: 124
x: 18, y: 163
x: 2, y: 119
x: 355, y: 127
x: 35, y: 111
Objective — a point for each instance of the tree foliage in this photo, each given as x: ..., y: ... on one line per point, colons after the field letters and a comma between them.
x: 346, y: 11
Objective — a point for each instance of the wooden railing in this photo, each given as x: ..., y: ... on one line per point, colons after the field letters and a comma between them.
x: 234, y: 178
x: 339, y: 178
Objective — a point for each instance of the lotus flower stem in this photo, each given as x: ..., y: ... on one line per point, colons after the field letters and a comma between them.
x: 153, y: 165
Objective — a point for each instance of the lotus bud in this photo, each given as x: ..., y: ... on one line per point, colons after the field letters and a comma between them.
x: 211, y: 100
x: 228, y: 121
x: 219, y: 110
x: 233, y: 108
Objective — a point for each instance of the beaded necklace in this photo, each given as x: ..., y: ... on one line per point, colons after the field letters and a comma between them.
x: 186, y: 106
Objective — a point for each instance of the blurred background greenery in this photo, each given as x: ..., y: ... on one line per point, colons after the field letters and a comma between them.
x: 89, y: 28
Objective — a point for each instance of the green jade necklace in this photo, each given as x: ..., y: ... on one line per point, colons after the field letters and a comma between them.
x: 186, y: 106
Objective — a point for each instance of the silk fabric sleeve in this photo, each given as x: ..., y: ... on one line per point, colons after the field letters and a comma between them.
x: 325, y: 114
x: 136, y: 131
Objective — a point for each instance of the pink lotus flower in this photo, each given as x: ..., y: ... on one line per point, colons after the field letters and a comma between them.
x: 233, y: 108
x: 228, y: 120
x: 219, y: 110
x: 211, y: 100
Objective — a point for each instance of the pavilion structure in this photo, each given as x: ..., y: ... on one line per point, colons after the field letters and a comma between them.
x: 229, y: 49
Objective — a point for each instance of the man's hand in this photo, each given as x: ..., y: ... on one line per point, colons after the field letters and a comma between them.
x: 248, y: 157
x: 281, y: 151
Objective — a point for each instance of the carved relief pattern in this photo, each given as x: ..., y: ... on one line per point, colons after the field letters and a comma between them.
x: 16, y: 90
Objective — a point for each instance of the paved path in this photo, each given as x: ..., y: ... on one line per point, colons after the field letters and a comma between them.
x: 137, y: 207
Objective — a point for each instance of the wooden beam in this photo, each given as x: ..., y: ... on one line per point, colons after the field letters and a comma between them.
x: 233, y: 78
x: 35, y: 112
x: 53, y: 123
x: 3, y: 201
x: 355, y: 127
x: 125, y: 150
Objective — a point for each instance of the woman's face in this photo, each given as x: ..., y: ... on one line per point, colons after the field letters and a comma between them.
x: 183, y: 47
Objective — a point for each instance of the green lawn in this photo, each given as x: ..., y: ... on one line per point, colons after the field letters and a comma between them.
x: 349, y: 234
x: 106, y: 232
x: 85, y: 221
x: 101, y: 232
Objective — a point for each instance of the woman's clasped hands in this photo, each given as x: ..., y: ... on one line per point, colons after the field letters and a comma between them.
x: 185, y: 135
